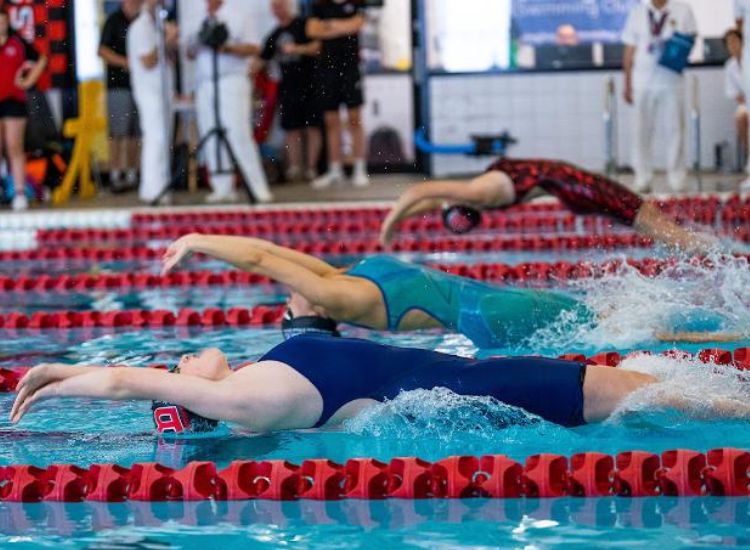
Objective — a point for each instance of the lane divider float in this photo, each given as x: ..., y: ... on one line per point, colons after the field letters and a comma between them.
x: 719, y: 472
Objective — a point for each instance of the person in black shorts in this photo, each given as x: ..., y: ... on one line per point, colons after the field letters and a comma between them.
x: 124, y: 130
x: 338, y: 23
x: 21, y: 67
x: 301, y: 117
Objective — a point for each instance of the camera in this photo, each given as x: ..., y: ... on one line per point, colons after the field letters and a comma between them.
x: 213, y: 34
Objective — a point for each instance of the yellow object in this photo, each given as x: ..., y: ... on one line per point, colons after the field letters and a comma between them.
x: 84, y: 129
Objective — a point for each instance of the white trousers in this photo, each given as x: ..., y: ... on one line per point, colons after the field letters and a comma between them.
x: 236, y: 118
x: 664, y: 104
x: 156, y: 134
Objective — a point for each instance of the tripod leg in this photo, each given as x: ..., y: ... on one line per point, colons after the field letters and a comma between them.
x: 236, y: 167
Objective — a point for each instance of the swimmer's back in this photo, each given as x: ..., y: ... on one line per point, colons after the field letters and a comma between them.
x: 345, y: 369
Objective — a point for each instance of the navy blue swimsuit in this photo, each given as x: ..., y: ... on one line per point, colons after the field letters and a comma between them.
x: 344, y: 370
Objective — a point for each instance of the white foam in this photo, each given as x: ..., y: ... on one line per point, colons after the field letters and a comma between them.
x: 632, y: 308
x: 698, y: 389
x: 440, y: 414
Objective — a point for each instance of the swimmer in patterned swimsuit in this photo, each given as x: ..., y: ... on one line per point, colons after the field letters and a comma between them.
x: 509, y: 182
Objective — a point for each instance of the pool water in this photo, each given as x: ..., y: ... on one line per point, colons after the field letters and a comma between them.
x: 431, y: 425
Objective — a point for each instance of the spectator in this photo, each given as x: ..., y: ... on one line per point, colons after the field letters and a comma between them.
x: 234, y: 103
x: 123, y: 115
x: 338, y: 23
x: 21, y: 66
x: 301, y: 118
x: 734, y: 86
x: 654, y: 89
x: 152, y: 99
x: 567, y: 35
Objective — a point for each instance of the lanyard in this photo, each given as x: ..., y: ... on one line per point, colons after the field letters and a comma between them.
x: 657, y: 25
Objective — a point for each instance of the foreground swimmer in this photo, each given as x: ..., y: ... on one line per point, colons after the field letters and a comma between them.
x: 508, y: 182
x: 311, y: 381
x: 383, y: 293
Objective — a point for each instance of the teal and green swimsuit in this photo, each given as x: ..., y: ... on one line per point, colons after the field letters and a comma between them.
x: 491, y: 316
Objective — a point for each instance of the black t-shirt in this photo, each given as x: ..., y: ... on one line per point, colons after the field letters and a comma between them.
x: 296, y: 70
x: 345, y: 49
x: 114, y: 37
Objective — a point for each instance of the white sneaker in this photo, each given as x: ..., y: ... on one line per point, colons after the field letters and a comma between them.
x: 293, y: 174
x: 165, y: 200
x: 642, y: 185
x: 678, y: 184
x: 327, y: 180
x: 360, y: 179
x: 20, y: 203
x: 745, y: 186
x: 216, y: 198
x: 311, y: 174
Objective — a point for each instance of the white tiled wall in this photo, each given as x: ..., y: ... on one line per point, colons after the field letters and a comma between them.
x: 558, y: 116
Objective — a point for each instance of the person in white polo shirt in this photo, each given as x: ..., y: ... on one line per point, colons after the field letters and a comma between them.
x: 235, y: 92
x: 742, y: 13
x: 735, y: 87
x: 656, y: 91
x: 152, y: 99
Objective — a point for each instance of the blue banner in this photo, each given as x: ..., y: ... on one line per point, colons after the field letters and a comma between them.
x: 537, y: 21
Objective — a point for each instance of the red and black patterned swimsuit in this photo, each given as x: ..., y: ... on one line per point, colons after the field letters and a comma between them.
x: 581, y: 191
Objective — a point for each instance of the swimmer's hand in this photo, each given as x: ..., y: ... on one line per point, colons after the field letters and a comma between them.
x: 388, y: 229
x: 178, y: 251
x: 38, y: 383
x: 699, y: 337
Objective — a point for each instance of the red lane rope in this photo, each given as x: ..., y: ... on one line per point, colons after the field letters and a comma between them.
x: 687, y: 206
x: 138, y: 318
x: 364, y: 246
x: 680, y: 472
x: 528, y: 271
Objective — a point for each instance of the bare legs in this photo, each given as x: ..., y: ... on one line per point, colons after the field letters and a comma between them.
x: 334, y: 128
x: 308, y: 140
x: 13, y: 133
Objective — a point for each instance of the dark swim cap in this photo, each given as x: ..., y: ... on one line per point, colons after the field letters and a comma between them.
x: 175, y: 419
x: 461, y: 219
x: 294, y: 326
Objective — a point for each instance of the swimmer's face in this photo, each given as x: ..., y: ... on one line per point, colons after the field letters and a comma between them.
x: 210, y: 363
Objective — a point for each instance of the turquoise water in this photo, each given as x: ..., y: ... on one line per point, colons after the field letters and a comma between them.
x: 426, y: 424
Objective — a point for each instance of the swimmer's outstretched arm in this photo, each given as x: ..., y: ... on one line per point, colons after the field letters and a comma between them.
x: 343, y: 298
x: 655, y: 224
x: 481, y: 192
x: 699, y: 337
x: 216, y: 400
x: 233, y: 250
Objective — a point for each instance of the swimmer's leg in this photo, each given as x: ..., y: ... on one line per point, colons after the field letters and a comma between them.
x: 655, y: 224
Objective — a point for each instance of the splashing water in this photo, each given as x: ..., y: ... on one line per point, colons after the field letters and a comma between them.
x: 631, y: 308
x: 439, y: 414
x: 696, y: 389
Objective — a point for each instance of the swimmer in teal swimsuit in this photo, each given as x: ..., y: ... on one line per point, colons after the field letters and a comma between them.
x: 383, y: 293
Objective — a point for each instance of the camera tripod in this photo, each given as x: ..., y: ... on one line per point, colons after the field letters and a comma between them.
x: 219, y: 132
